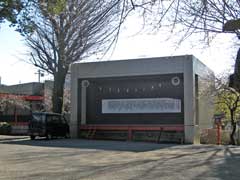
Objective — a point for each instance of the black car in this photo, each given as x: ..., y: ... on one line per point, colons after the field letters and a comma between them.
x: 44, y: 124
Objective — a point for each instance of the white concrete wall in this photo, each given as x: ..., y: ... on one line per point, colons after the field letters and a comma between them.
x: 134, y: 67
x: 206, y: 87
x: 74, y: 122
x: 189, y: 104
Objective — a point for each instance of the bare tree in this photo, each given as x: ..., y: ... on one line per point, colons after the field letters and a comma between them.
x: 195, y: 16
x: 80, y: 29
x: 207, y: 17
x: 229, y: 99
x: 210, y: 17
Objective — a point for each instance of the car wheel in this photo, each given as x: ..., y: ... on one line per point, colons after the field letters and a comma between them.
x: 48, y: 136
x: 32, y: 137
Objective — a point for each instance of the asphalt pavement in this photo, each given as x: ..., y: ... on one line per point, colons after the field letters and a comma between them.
x: 70, y: 159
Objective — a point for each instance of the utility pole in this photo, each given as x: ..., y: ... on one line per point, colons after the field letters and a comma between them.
x: 40, y: 74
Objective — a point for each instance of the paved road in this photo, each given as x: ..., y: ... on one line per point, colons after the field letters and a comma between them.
x: 21, y: 158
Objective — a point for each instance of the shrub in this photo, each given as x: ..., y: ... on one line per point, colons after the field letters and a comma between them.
x: 5, y: 128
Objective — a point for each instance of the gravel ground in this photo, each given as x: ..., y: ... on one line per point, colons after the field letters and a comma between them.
x: 21, y: 158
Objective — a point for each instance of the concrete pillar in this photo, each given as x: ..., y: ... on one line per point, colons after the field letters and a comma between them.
x: 74, y: 101
x: 190, y: 129
x: 84, y: 86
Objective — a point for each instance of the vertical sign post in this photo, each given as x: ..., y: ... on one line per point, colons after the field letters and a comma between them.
x: 218, y: 121
x: 219, y: 132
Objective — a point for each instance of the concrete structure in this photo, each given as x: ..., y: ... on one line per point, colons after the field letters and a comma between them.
x: 175, y: 95
x: 33, y: 89
x: 22, y: 96
x: 30, y: 92
x: 35, y: 94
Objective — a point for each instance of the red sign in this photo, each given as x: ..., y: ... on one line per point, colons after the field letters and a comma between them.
x: 23, y: 97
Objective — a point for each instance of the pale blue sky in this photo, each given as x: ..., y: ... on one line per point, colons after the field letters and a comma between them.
x: 13, y: 58
x: 12, y: 53
x: 219, y: 56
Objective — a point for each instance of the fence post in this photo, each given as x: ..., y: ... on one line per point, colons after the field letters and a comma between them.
x: 218, y: 133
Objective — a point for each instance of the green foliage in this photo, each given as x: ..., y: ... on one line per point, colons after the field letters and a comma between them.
x: 231, y: 25
x: 5, y: 128
x: 228, y: 99
x: 9, y: 10
x: 21, y: 13
x: 56, y: 6
x: 18, y: 13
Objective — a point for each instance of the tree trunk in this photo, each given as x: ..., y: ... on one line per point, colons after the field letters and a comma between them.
x: 58, y: 90
x: 233, y: 128
x: 60, y: 74
x: 235, y: 77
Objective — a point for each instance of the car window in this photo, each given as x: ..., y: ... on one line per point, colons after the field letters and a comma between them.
x: 54, y: 119
x: 64, y: 121
x: 37, y: 118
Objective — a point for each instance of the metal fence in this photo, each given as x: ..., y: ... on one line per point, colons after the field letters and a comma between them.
x: 209, y: 136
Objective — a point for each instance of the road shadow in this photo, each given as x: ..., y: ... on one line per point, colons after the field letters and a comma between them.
x: 198, y: 162
x: 220, y: 163
x: 230, y: 168
x: 90, y: 144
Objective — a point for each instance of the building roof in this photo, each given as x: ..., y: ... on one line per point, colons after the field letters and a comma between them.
x: 33, y: 88
x: 138, y: 67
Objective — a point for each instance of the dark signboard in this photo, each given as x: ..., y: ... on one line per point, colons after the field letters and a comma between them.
x: 156, y: 99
